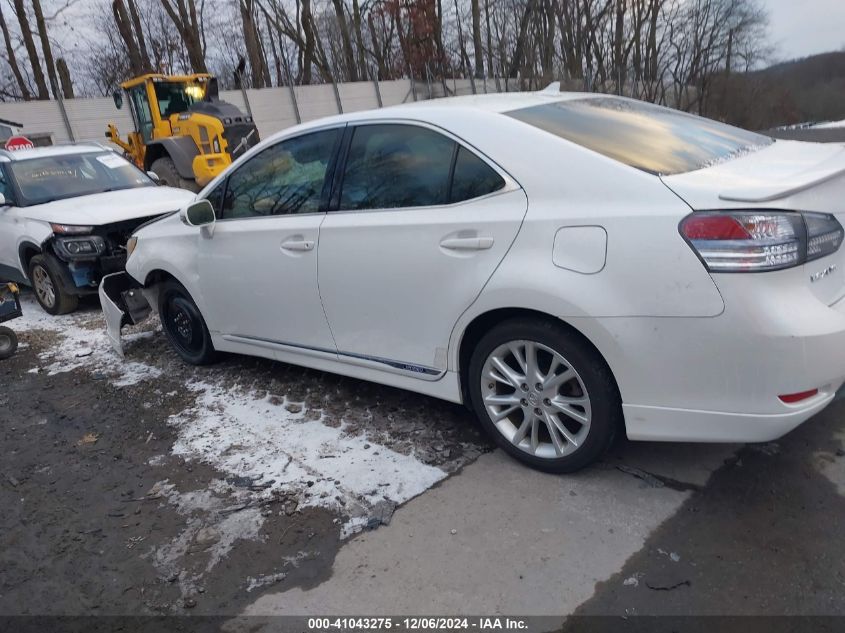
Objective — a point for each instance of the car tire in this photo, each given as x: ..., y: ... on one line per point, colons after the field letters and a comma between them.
x: 184, y: 326
x: 46, y: 278
x: 167, y: 173
x: 572, y: 395
x: 8, y: 343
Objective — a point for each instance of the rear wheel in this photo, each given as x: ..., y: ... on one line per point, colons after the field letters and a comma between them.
x: 167, y: 173
x: 184, y: 326
x: 8, y: 342
x: 45, y: 277
x: 544, y: 394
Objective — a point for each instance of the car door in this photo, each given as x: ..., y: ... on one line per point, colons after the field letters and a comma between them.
x: 258, y: 269
x: 421, y: 222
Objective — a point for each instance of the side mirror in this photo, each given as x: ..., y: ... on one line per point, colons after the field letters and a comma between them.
x: 154, y: 177
x: 117, y: 95
x: 198, y: 213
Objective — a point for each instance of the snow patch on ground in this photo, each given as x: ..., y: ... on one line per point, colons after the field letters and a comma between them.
x: 281, y: 449
x: 84, y: 344
x: 274, y: 446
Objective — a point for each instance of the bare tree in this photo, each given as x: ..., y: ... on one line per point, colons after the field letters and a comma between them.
x: 12, y: 60
x: 31, y: 51
x: 186, y: 19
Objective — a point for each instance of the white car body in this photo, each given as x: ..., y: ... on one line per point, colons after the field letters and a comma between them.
x: 27, y: 230
x: 575, y: 235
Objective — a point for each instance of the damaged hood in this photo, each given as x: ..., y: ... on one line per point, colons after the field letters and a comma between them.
x: 111, y: 206
x: 777, y: 173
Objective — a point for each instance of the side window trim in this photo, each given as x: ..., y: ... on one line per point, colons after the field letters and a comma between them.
x: 340, y: 168
x: 334, y: 207
x: 455, y: 150
x: 327, y: 183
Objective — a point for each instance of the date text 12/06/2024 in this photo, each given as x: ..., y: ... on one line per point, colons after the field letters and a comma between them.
x: 416, y: 624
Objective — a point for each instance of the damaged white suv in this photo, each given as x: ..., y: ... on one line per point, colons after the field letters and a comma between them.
x: 66, y: 213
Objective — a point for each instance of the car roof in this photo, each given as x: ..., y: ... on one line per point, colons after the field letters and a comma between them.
x: 494, y: 103
x: 7, y: 156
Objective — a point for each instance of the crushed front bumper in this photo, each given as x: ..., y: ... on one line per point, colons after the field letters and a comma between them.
x: 123, y: 303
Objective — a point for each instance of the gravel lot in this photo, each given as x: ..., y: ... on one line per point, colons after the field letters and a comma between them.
x: 149, y: 486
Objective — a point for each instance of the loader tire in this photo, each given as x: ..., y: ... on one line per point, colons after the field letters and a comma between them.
x: 167, y: 173
x: 8, y: 342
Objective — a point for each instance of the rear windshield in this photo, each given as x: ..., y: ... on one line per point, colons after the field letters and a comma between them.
x: 652, y: 138
x: 49, y: 178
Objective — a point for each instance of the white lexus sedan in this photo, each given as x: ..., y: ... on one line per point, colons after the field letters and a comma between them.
x: 569, y: 266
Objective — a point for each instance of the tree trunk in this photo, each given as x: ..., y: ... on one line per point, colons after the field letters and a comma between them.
x: 280, y: 81
x: 31, y: 51
x: 64, y: 77
x: 184, y: 17
x: 475, y: 7
x: 351, y: 67
x: 308, y: 49
x: 12, y: 58
x: 124, y: 29
x: 359, y: 40
x: 46, y: 49
x: 139, y: 34
x: 519, y: 49
x: 257, y: 67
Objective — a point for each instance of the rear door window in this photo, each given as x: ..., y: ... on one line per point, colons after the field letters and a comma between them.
x: 394, y: 165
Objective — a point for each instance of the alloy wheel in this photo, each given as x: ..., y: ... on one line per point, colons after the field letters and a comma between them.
x: 43, y: 286
x: 536, y: 399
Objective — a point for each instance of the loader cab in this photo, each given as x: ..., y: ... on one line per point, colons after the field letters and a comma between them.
x: 154, y: 99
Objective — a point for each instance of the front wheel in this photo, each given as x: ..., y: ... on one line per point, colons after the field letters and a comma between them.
x: 45, y: 277
x: 544, y: 394
x: 184, y: 326
x: 8, y: 342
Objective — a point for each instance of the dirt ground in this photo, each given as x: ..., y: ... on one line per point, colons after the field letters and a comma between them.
x: 109, y: 509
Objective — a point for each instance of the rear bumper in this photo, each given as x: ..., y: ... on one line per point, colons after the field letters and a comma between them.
x: 659, y: 424
x: 717, y: 379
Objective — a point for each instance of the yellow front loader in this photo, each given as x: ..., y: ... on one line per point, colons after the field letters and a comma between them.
x: 183, y: 132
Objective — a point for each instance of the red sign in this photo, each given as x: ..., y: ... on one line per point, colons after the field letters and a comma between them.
x: 19, y: 142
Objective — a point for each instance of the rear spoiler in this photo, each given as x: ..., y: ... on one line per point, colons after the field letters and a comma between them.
x: 828, y: 170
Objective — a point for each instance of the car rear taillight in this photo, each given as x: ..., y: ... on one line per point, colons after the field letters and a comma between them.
x: 756, y: 241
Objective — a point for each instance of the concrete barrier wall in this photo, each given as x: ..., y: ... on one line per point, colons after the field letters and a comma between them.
x: 272, y: 108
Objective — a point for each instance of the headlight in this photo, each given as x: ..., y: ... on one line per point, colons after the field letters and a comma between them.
x: 68, y: 248
x: 71, y: 229
x: 130, y: 245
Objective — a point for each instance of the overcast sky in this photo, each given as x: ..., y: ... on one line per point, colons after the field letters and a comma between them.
x: 805, y: 27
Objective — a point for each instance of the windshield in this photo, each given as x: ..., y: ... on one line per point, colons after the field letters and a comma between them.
x: 175, y: 98
x: 651, y: 138
x: 50, y: 178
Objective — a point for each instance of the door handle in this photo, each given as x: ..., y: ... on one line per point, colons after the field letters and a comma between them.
x: 467, y: 243
x: 298, y: 245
